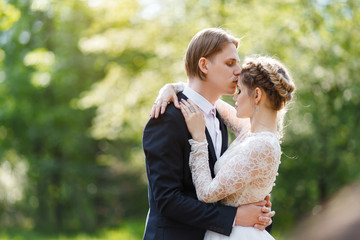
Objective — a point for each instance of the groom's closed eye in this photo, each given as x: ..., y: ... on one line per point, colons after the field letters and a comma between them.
x: 231, y: 63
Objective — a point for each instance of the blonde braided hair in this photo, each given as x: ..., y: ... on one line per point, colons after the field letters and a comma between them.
x: 270, y: 75
x: 273, y: 77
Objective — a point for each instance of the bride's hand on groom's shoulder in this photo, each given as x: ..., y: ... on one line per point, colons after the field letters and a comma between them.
x: 166, y: 95
x: 194, y: 119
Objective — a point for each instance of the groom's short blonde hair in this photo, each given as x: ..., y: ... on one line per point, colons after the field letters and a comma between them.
x: 205, y: 44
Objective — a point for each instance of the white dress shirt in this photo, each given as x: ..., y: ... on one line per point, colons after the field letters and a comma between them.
x: 211, y: 121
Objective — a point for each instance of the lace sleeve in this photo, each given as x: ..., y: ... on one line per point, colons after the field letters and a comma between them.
x: 243, y: 164
x: 228, y: 114
x: 178, y: 87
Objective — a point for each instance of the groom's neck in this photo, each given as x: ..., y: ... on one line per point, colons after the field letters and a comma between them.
x: 203, y: 88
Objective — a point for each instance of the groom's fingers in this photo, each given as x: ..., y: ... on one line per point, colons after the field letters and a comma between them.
x: 265, y: 209
x: 261, y: 203
x: 268, y: 203
x: 260, y: 227
x: 264, y: 220
x: 271, y: 214
x: 263, y: 224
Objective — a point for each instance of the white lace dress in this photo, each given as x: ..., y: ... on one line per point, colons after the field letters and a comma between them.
x: 245, y: 173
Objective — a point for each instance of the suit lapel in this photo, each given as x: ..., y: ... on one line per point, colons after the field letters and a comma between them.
x: 224, y: 134
x: 211, y: 149
x: 212, y: 155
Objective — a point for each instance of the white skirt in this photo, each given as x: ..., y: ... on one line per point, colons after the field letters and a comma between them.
x: 240, y: 233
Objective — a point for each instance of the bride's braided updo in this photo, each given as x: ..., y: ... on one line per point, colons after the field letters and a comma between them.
x: 270, y: 75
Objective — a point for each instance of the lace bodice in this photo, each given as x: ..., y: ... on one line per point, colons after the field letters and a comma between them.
x: 245, y: 173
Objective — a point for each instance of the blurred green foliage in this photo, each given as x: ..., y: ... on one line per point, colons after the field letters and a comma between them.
x: 78, y: 79
x: 131, y: 230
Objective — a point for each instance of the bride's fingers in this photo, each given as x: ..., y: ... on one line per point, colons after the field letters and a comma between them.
x: 196, y: 108
x: 176, y: 101
x: 163, y: 106
x: 152, y: 113
x: 157, y: 109
x: 184, y: 110
x: 188, y: 106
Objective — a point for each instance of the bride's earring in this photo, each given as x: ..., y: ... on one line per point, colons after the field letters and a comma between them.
x: 256, y: 108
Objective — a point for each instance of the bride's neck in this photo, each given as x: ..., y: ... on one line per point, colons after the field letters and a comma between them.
x: 264, y: 120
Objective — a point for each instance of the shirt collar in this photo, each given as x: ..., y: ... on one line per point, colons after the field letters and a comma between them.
x: 200, y: 101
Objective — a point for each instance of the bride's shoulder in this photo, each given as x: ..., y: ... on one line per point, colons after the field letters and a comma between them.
x: 261, y: 140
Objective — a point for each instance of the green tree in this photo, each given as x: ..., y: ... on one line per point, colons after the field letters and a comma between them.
x: 78, y: 79
x: 44, y: 71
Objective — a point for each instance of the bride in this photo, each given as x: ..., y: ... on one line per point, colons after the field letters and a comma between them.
x: 246, y: 172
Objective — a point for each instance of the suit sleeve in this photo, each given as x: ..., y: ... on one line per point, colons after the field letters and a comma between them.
x: 164, y: 142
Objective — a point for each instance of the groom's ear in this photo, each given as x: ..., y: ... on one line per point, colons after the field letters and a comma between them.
x: 203, y: 65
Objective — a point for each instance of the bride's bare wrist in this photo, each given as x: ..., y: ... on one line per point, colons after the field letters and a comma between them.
x: 199, y: 137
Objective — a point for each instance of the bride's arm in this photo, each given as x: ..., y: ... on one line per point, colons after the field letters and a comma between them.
x: 166, y: 94
x: 240, y: 169
x: 228, y: 114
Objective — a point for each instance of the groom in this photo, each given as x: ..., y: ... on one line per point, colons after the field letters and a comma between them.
x: 212, y: 68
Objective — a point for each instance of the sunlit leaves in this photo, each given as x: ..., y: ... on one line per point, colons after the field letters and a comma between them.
x: 114, y: 42
x: 78, y: 79
x: 8, y: 15
x: 42, y: 60
x: 13, y: 177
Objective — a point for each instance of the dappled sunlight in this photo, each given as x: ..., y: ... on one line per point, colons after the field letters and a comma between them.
x: 114, y: 41
x: 40, y: 79
x: 13, y: 177
x: 95, y: 44
x: 42, y: 60
x: 108, y: 96
x: 40, y: 5
x: 9, y: 15
x: 114, y: 11
x: 78, y: 79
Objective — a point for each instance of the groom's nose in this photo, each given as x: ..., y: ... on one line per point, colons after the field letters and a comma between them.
x: 237, y: 70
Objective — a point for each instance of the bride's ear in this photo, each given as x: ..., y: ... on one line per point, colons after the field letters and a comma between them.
x: 258, y: 93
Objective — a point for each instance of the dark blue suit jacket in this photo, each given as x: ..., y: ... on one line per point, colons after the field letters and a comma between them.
x: 175, y: 213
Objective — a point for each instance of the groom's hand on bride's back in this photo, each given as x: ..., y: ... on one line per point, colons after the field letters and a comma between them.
x: 256, y: 215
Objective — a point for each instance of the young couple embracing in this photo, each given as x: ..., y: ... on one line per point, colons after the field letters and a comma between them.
x: 199, y: 188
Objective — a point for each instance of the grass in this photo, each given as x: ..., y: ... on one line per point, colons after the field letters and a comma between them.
x: 130, y: 230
